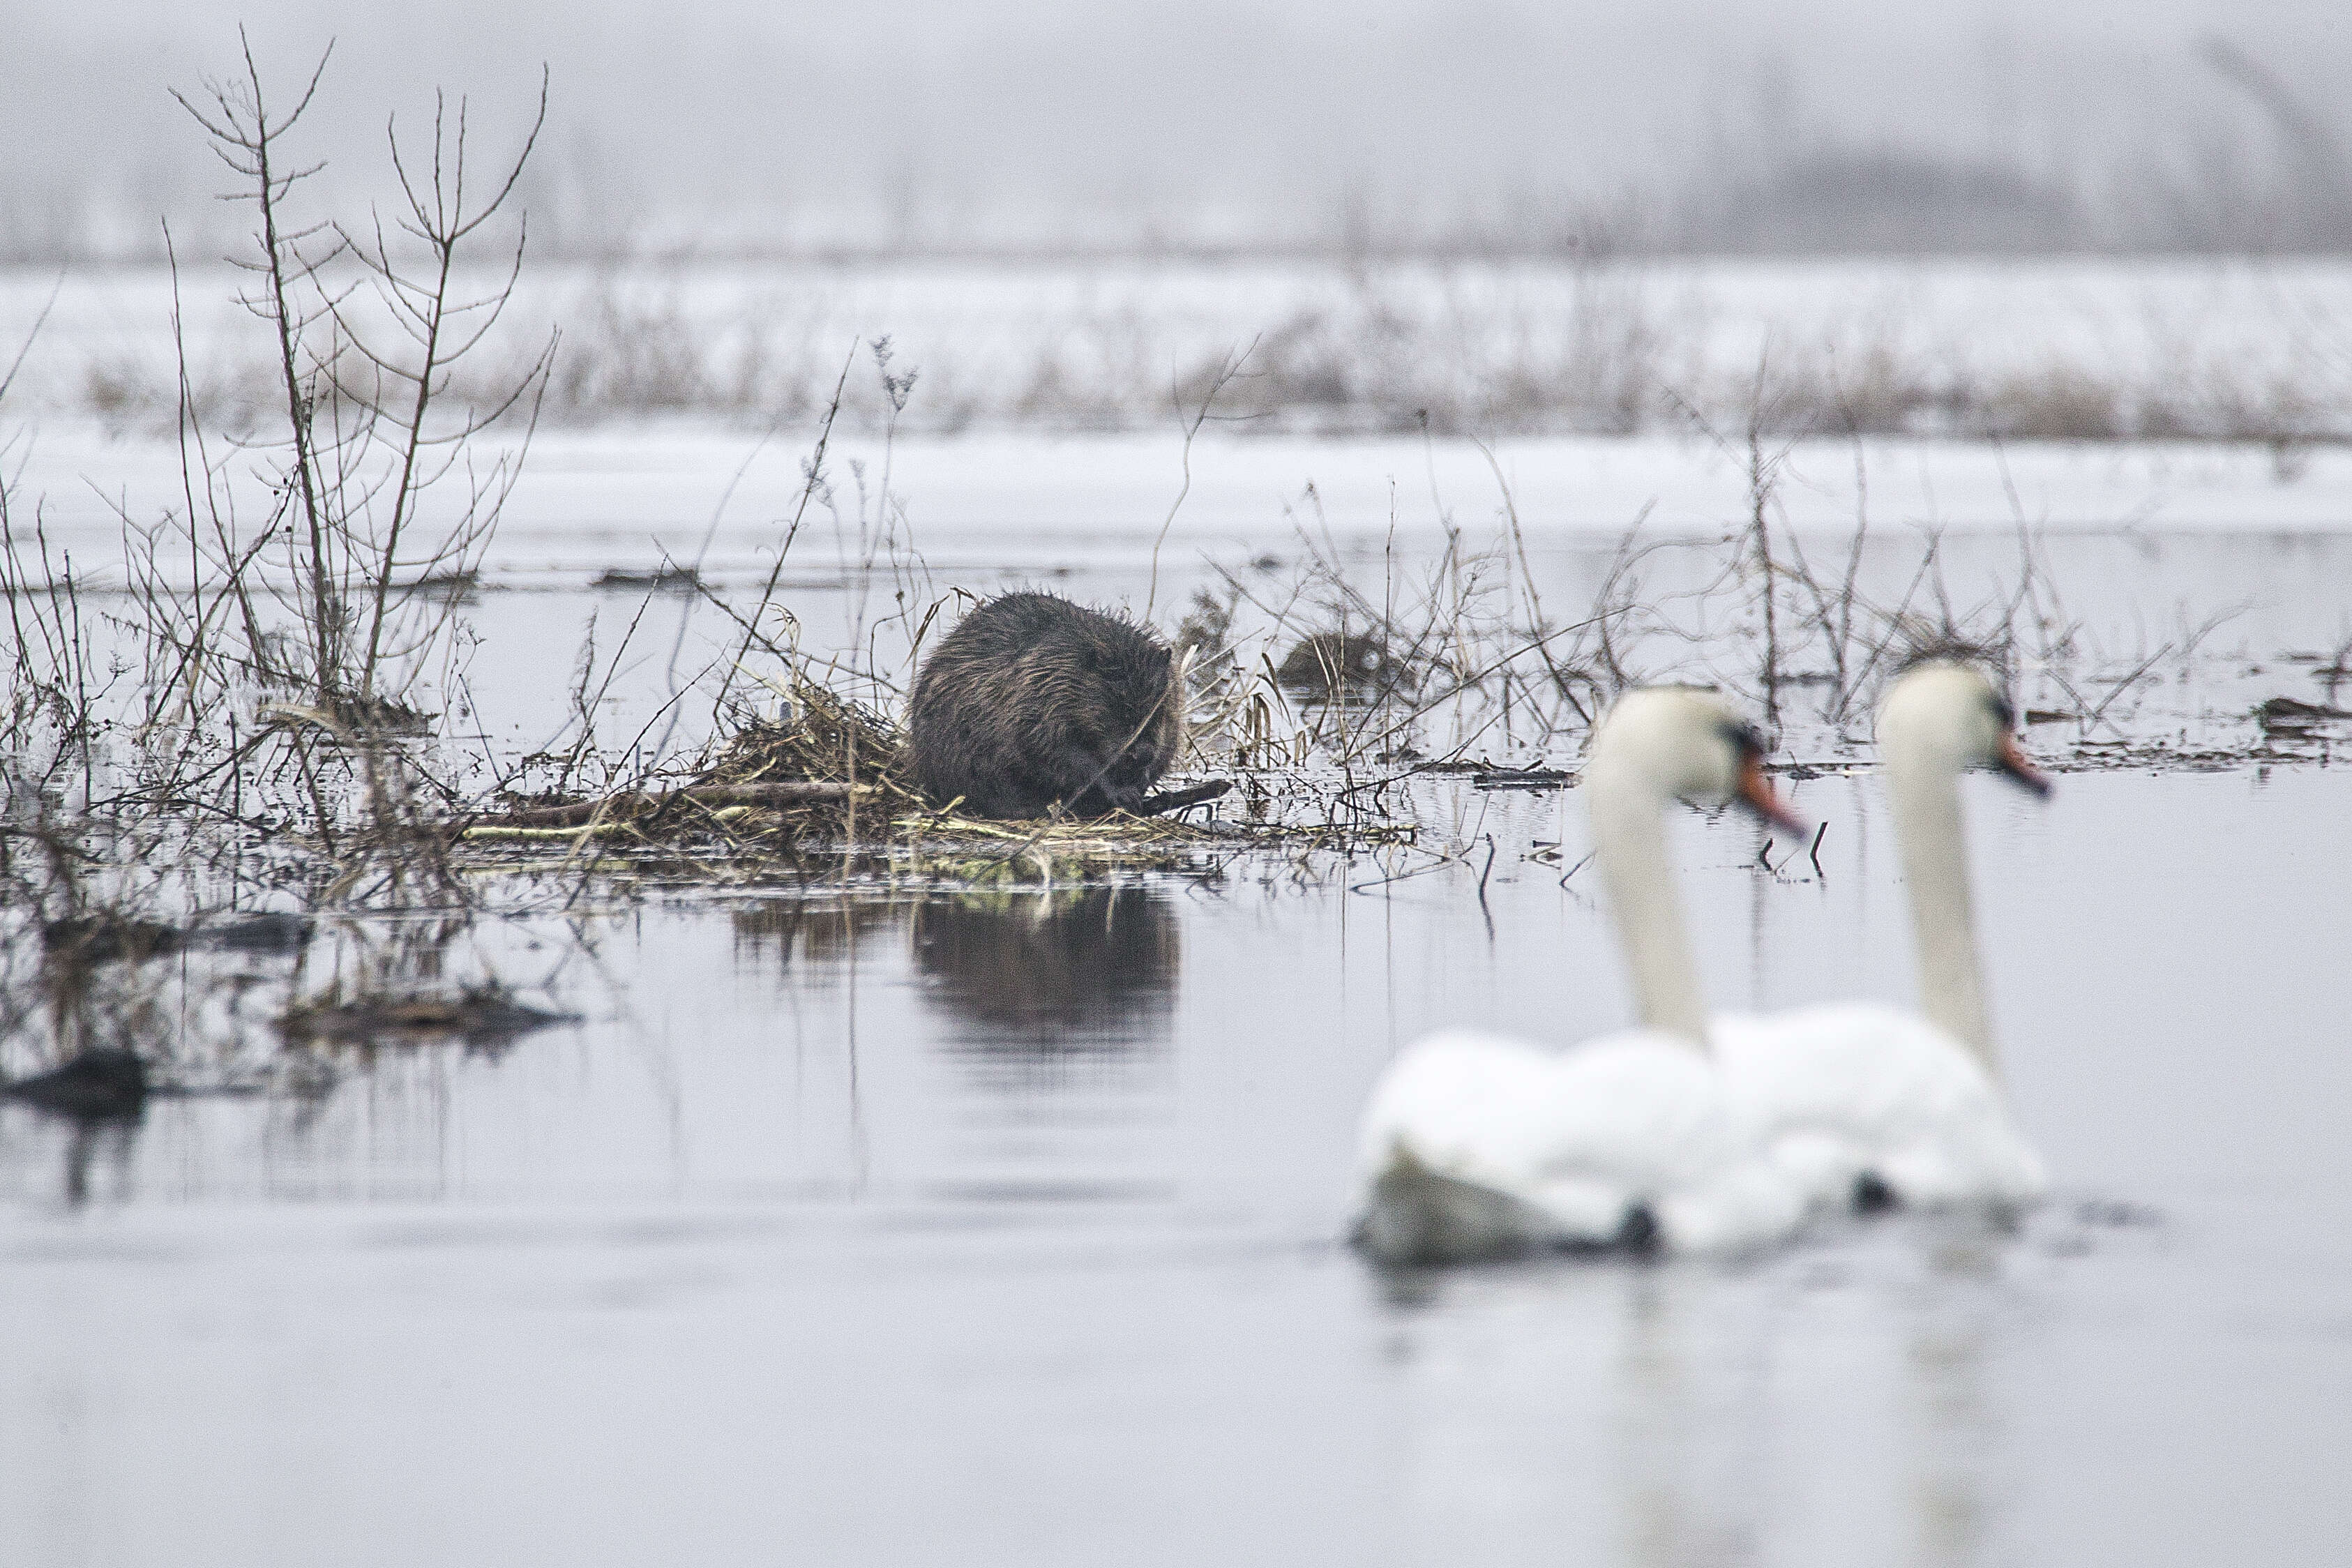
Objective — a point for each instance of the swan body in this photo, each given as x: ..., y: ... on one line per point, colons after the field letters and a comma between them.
x: 1473, y: 1145
x: 1840, y: 1093
x: 1844, y: 1096
x: 1701, y: 1134
x: 1481, y: 1145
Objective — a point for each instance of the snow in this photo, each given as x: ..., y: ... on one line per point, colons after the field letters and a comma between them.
x: 1020, y: 503
x: 1489, y: 345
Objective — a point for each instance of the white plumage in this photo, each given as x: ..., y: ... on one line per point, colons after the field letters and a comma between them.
x: 1481, y: 1145
x: 1833, y: 1094
x: 1700, y: 1135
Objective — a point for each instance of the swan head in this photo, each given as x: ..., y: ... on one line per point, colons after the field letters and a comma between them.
x: 1951, y: 715
x: 1676, y: 742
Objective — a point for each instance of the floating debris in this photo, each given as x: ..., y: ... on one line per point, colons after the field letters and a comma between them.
x: 269, y: 933
x: 105, y: 1084
x: 2285, y: 714
x: 349, y: 720
x: 482, y: 1017
x: 109, y: 939
x: 667, y: 580
x: 1532, y: 779
x: 1335, y: 665
x: 453, y: 585
x: 1162, y: 802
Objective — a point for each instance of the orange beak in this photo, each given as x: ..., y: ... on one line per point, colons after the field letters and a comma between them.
x: 2012, y: 762
x: 1756, y: 792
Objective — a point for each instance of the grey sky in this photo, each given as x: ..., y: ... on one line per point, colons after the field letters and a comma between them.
x: 932, y: 118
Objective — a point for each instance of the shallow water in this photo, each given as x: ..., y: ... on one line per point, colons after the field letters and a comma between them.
x: 896, y: 1228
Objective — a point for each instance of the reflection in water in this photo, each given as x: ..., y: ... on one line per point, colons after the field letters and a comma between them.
x: 1059, y: 970
x: 818, y: 933
x: 107, y: 1142
x: 1052, y: 990
x: 76, y: 1040
x: 1712, y: 1415
x: 294, y: 1056
x: 1053, y: 970
x: 1015, y: 1312
x: 1956, y: 1431
x: 1679, y: 1424
x: 1643, y: 1391
x: 825, y: 939
x: 1056, y: 1006
x: 79, y: 1149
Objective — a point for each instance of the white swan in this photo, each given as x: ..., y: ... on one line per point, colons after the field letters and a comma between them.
x: 1473, y: 1145
x: 1857, y: 1100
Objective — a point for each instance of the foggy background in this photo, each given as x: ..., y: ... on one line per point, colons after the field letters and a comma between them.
x: 1500, y: 128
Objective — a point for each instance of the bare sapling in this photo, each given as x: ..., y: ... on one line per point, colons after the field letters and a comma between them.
x: 346, y: 593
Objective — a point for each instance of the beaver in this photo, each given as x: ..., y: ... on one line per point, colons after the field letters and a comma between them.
x: 1033, y: 701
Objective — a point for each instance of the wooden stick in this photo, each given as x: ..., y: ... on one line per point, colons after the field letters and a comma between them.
x: 577, y: 812
x: 1177, y: 799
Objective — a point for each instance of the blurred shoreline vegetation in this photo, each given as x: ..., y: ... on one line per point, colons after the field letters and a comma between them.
x: 2235, y: 352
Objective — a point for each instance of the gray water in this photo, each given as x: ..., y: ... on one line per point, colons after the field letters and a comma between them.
x: 916, y: 1228
x: 905, y: 1226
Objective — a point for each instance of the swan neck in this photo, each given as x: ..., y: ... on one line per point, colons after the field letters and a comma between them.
x: 1630, y: 846
x: 1929, y: 829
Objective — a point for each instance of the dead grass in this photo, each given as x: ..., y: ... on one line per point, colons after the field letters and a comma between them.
x: 1596, y: 347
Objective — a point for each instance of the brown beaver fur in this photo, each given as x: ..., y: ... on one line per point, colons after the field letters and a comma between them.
x: 1033, y: 701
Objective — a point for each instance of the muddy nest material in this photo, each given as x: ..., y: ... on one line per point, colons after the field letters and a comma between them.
x: 825, y: 790
x: 825, y: 737
x: 820, y: 774
x: 985, y: 853
x: 831, y: 773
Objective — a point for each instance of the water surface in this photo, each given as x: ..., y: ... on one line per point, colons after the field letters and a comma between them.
x: 909, y: 1227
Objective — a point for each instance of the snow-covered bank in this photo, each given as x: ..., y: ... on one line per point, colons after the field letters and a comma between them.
x: 2019, y: 348
x: 626, y: 497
